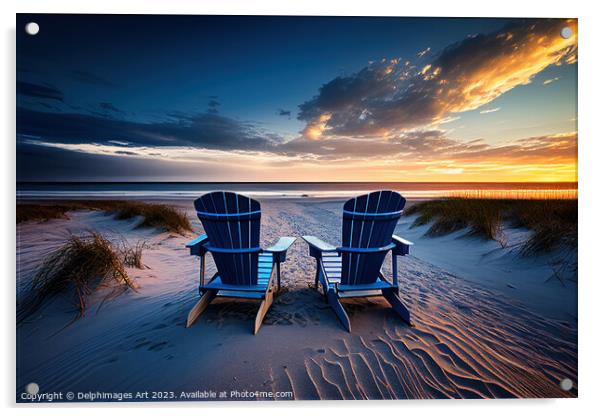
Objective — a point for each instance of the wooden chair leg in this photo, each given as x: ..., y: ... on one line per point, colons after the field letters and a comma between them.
x: 335, y: 303
x: 393, y: 298
x: 200, y: 306
x: 322, y: 280
x: 263, y: 309
x: 317, y: 274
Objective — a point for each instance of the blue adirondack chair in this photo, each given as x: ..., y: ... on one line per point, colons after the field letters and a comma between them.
x: 354, y: 269
x: 244, y: 270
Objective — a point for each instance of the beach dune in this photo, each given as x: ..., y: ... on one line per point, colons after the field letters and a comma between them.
x: 470, y: 340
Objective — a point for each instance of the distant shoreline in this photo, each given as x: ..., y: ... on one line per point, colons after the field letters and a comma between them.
x: 289, y: 182
x: 265, y: 190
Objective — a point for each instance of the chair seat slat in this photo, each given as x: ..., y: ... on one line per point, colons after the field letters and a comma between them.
x: 217, y: 284
x: 239, y: 294
x: 360, y: 294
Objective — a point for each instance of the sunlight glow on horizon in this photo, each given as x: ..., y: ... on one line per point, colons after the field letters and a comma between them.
x: 558, y: 165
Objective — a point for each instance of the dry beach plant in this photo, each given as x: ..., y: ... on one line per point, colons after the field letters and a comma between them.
x: 132, y: 256
x: 80, y: 267
x: 552, y: 222
x: 160, y: 216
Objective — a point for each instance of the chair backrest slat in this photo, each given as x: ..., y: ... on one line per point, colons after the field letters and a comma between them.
x: 368, y: 223
x: 232, y: 224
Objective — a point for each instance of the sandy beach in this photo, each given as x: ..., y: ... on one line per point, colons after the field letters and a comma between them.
x: 488, y: 322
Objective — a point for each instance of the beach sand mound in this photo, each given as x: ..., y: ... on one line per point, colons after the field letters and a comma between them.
x: 469, y: 340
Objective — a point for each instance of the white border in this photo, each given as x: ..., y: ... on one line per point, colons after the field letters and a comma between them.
x: 590, y: 163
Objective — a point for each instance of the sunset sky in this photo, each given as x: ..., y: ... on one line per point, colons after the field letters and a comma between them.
x: 218, y: 98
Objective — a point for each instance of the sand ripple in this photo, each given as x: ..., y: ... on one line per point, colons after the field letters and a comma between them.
x: 468, y: 342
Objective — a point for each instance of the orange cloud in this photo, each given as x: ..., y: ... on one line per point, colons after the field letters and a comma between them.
x: 522, y: 53
x: 490, y: 110
x: 314, y: 130
x: 465, y: 76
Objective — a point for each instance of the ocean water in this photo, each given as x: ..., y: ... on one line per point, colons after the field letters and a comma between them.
x: 189, y: 190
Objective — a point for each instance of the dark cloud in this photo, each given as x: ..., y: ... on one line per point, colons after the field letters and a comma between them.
x: 284, y: 113
x: 432, y: 145
x: 202, y: 130
x: 213, y: 105
x: 87, y: 77
x: 39, y: 91
x: 211, y: 131
x: 108, y: 107
x: 395, y: 95
x: 415, y: 144
x: 35, y: 163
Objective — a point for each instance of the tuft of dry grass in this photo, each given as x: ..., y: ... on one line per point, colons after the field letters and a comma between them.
x: 553, y: 222
x: 156, y: 215
x: 79, y: 267
x: 481, y: 217
x: 132, y: 256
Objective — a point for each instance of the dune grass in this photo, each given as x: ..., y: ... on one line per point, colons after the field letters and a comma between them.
x: 31, y: 212
x: 155, y: 215
x: 79, y: 267
x: 132, y: 256
x: 553, y: 222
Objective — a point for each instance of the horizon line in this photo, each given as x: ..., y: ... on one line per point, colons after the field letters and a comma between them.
x: 294, y: 182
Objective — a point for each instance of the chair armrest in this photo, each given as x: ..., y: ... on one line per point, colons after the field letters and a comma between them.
x: 197, y: 246
x: 279, y: 249
x: 283, y: 244
x: 317, y: 246
x: 402, y: 246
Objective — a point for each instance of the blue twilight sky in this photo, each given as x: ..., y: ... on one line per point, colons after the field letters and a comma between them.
x: 199, y: 97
